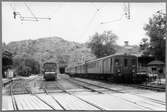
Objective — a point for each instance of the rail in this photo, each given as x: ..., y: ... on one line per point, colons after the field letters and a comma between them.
x: 154, y: 100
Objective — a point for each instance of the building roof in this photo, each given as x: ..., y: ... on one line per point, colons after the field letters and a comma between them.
x: 155, y: 62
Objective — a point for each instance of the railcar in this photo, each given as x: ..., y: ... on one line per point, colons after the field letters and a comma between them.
x: 50, y: 71
x: 117, y: 68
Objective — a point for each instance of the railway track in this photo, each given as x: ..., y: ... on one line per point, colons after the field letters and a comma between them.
x: 98, y: 86
x: 45, y: 92
x: 94, y: 105
x: 133, y: 102
x: 15, y: 107
x: 149, y: 87
x: 85, y: 87
x: 63, y: 90
x: 28, y: 91
x: 154, y: 100
x: 92, y: 87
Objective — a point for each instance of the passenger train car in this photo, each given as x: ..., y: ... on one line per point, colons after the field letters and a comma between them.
x: 117, y: 68
x: 50, y: 71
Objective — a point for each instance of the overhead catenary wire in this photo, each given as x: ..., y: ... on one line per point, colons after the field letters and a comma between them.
x: 90, y: 22
x: 116, y: 20
x: 99, y: 24
x: 95, y: 6
x: 23, y: 18
x: 126, y: 12
x: 29, y: 9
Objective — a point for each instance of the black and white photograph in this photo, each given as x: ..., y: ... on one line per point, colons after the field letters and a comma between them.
x: 83, y: 56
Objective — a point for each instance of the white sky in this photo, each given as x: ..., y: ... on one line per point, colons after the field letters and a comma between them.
x: 76, y: 21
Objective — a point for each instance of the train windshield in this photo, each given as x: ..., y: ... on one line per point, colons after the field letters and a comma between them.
x: 49, y: 66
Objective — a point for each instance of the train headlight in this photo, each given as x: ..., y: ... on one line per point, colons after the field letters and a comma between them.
x: 49, y: 72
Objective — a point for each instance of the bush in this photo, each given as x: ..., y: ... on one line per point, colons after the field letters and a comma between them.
x: 26, y: 66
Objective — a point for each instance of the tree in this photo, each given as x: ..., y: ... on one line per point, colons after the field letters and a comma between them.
x: 7, y: 62
x: 156, y: 30
x: 103, y: 44
x: 144, y: 46
x: 26, y: 66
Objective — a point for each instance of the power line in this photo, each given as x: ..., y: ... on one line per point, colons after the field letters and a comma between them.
x: 34, y: 18
x: 126, y: 14
x: 89, y: 23
x: 95, y: 6
x: 91, y: 20
x: 31, y: 11
x: 116, y: 20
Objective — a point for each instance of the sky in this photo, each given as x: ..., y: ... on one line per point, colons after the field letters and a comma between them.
x: 76, y: 21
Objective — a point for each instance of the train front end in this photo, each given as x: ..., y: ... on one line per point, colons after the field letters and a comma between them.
x: 50, y: 71
x: 125, y: 68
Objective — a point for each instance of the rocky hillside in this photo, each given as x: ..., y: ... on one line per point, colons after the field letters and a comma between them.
x: 53, y: 49
x: 56, y: 49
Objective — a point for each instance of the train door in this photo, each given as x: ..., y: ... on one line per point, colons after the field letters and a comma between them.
x: 85, y: 68
x: 125, y: 65
x: 102, y: 62
x: 116, y: 64
x: 75, y: 70
x: 134, y: 65
x: 100, y: 66
x: 111, y: 65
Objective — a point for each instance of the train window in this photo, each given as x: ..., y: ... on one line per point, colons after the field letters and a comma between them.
x: 154, y: 69
x: 91, y: 65
x: 116, y: 61
x: 133, y: 61
x: 125, y: 62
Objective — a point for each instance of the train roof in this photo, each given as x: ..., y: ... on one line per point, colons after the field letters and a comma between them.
x: 76, y: 65
x: 50, y: 63
x: 117, y: 54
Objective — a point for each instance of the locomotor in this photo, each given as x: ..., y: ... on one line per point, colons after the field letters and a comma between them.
x: 120, y: 68
x: 50, y: 71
